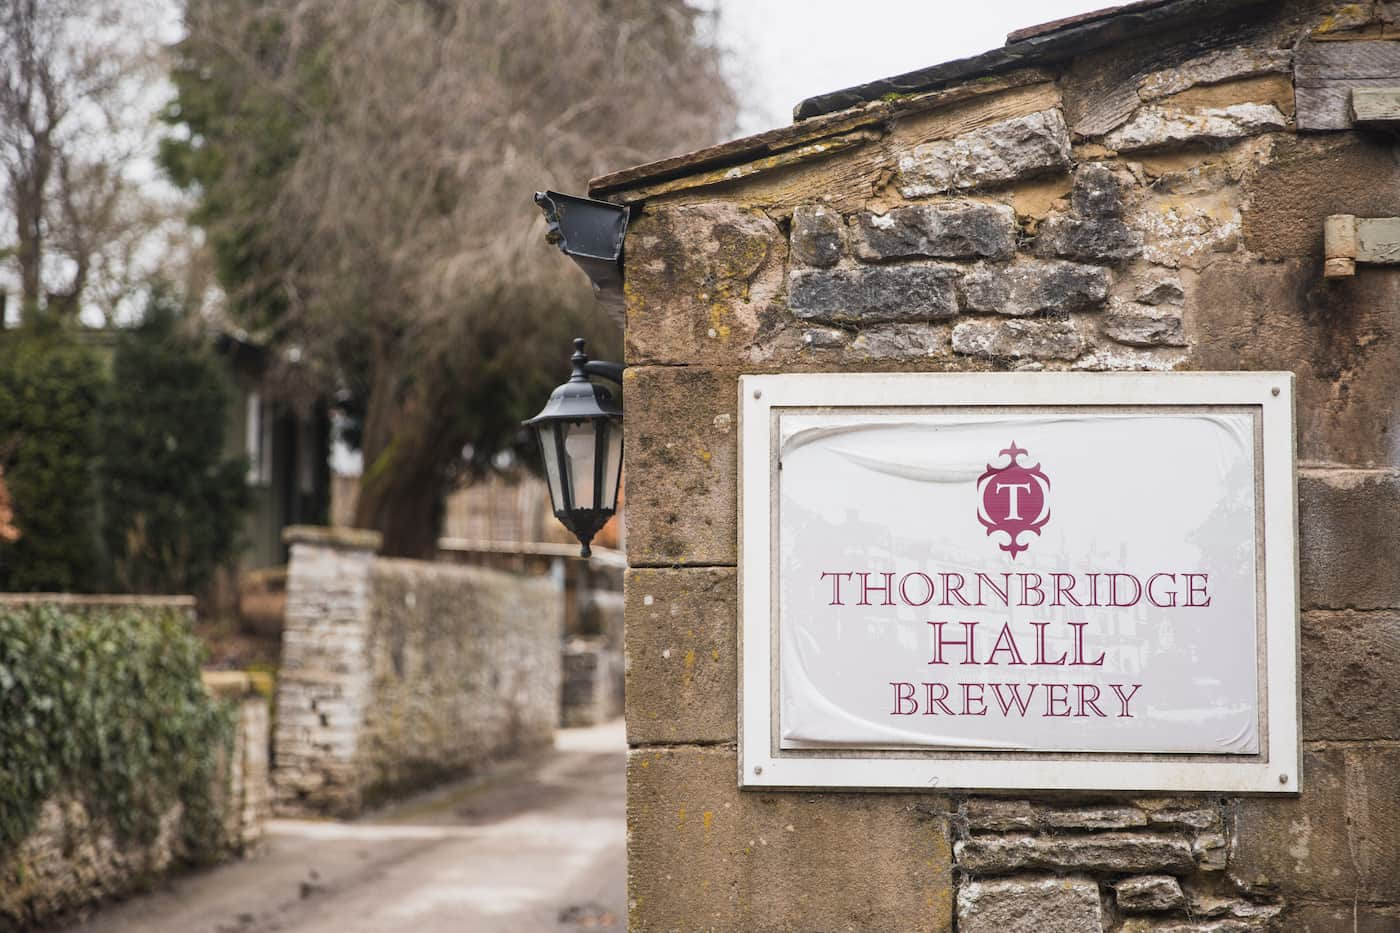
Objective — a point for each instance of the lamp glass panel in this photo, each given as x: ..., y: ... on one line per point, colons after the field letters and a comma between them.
x: 612, y: 465
x: 581, y: 451
x: 550, y: 451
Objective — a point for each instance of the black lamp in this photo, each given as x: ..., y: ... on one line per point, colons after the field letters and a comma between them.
x: 580, y: 434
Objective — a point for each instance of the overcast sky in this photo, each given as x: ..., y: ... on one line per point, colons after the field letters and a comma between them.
x: 787, y: 50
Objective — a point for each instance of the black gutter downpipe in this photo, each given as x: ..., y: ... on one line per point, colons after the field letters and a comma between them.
x: 590, y: 233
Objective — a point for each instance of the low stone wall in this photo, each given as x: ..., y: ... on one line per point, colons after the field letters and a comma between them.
x: 396, y: 674
x: 593, y: 676
x: 592, y: 601
x: 72, y: 859
x: 245, y: 787
x: 72, y: 856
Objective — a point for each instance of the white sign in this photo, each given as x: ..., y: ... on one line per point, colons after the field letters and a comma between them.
x: 1019, y: 581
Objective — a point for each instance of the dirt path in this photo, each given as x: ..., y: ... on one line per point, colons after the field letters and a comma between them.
x: 540, y: 847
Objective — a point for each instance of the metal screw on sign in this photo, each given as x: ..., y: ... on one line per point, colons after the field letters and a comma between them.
x: 758, y: 393
x: 758, y: 769
x: 1283, y: 779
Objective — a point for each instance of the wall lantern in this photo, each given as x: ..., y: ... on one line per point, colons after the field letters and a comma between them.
x: 580, y: 434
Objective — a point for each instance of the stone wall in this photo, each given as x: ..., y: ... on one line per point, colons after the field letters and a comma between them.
x: 1146, y: 205
x: 396, y: 674
x: 593, y: 682
x: 593, y: 665
x: 245, y: 788
x: 73, y: 858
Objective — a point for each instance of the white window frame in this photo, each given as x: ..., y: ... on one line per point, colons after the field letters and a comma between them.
x: 763, y: 766
x: 258, y: 439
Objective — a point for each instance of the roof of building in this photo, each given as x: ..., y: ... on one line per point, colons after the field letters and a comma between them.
x: 1025, y: 50
x: 1044, y: 44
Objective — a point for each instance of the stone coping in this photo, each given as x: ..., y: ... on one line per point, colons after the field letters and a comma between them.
x: 348, y: 539
x: 605, y: 556
x: 238, y: 684
x: 96, y: 599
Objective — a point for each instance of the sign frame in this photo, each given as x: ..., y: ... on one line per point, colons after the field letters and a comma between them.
x: 1276, y: 770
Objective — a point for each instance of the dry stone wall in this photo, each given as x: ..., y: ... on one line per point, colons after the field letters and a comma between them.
x: 73, y: 858
x: 396, y: 673
x: 1145, y: 206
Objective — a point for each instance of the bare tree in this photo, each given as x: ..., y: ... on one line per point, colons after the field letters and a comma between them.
x: 75, y: 78
x: 407, y: 258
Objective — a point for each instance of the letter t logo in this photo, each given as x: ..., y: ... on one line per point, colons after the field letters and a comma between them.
x: 1015, y: 504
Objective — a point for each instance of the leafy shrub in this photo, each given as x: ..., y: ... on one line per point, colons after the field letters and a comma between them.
x: 172, y: 504
x: 107, y: 704
x: 50, y: 389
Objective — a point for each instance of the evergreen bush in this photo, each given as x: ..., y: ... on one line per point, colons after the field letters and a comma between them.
x: 50, y: 390
x: 172, y: 502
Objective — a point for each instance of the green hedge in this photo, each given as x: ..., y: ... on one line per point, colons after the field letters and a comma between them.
x: 107, y: 704
x: 50, y: 390
x: 119, y: 482
x: 172, y: 503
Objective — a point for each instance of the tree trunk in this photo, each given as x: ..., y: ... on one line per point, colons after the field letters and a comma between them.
x: 403, y: 483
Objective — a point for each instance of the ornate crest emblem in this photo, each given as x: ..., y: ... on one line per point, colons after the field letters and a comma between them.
x: 1014, y: 499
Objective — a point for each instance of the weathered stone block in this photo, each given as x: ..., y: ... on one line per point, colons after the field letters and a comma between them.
x: 950, y: 230
x: 1112, y: 357
x: 1018, y: 339
x: 1149, y: 894
x: 701, y: 278
x: 1213, y: 68
x: 1338, y: 840
x: 818, y: 235
x: 1155, y: 127
x: 1160, y: 289
x: 1212, y: 851
x: 1108, y: 241
x: 1033, y: 286
x: 681, y: 655
x: 1030, y: 905
x: 1181, y: 815
x: 680, y: 433
x: 1092, y: 817
x: 825, y: 338
x: 920, y: 291
x: 1000, y: 816
x: 702, y: 855
x: 1345, y: 654
x: 1349, y: 539
x: 1338, y: 341
x: 1139, y: 325
x: 1093, y: 230
x: 1110, y: 852
x: 1212, y: 906
x: 1097, y: 192
x: 1144, y: 925
x: 1011, y: 150
x: 901, y: 341
x: 1187, y: 233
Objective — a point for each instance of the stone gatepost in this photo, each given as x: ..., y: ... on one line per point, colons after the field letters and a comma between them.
x: 1139, y: 201
x: 324, y: 684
